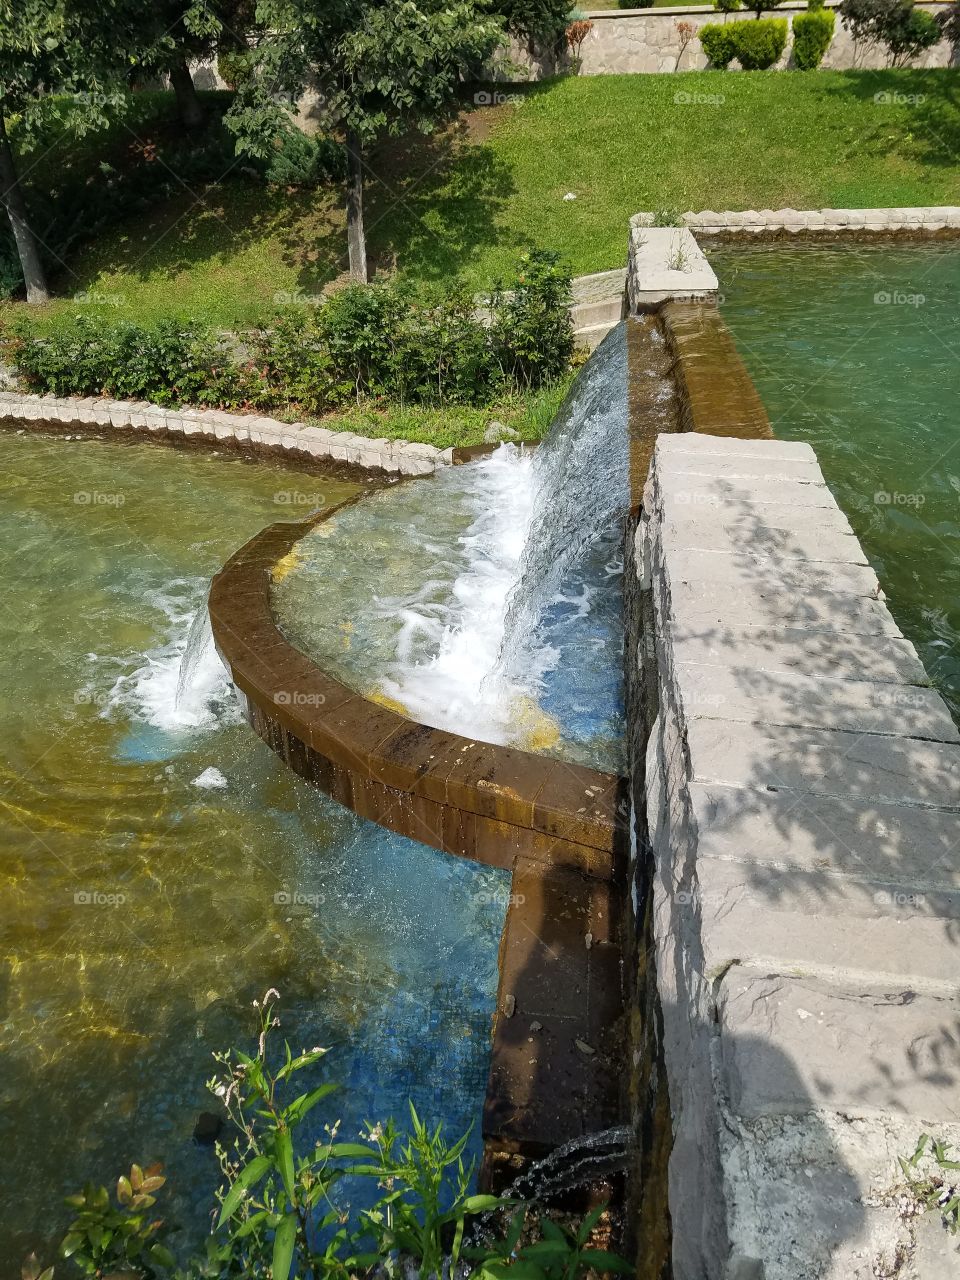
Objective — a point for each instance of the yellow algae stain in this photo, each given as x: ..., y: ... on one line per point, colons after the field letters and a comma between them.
x: 292, y: 560
x: 536, y: 730
x: 384, y: 700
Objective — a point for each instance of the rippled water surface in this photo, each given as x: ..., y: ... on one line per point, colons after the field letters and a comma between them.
x: 161, y: 868
x: 856, y: 350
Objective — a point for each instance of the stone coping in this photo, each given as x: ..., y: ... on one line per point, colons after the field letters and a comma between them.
x: 469, y: 798
x: 666, y: 264
x: 927, y: 220
x: 244, y: 431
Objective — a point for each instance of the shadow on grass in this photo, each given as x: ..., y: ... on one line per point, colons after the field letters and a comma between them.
x: 931, y: 101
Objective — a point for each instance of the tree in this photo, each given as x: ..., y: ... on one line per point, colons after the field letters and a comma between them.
x: 55, y: 66
x: 382, y: 66
x: 905, y: 30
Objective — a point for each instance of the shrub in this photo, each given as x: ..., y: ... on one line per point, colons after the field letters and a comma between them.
x: 368, y: 342
x: 812, y: 33
x: 727, y: 6
x: 757, y: 44
x: 717, y: 42
x: 532, y: 326
x: 905, y: 30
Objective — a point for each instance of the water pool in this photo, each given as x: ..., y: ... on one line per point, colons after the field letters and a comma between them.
x: 161, y: 868
x: 856, y: 350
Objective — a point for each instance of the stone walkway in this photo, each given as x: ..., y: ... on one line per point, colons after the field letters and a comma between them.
x: 803, y: 785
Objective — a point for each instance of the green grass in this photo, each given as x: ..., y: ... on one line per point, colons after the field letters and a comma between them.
x: 465, y: 204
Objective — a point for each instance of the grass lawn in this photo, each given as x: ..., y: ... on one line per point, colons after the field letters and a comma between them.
x: 465, y: 204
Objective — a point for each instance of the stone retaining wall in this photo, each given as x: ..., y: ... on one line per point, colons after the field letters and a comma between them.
x: 926, y: 220
x: 802, y: 831
x: 393, y: 457
x: 625, y: 41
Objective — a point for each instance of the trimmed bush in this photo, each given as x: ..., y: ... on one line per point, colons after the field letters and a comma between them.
x: 717, y: 43
x: 759, y: 43
x: 367, y: 343
x: 812, y: 33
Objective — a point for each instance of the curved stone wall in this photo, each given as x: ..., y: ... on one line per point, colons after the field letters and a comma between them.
x: 493, y: 804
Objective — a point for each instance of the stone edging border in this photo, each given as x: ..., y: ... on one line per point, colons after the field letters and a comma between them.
x: 392, y: 457
x: 489, y: 803
x: 928, y: 220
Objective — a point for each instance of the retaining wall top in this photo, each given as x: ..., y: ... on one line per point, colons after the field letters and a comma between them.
x: 803, y: 784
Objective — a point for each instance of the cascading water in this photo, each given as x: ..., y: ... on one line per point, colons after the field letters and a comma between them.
x: 502, y: 613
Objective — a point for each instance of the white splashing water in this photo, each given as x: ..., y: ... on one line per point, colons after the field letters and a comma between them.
x: 463, y: 635
x: 181, y: 684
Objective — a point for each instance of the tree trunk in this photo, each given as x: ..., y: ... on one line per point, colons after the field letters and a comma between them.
x: 356, y: 241
x: 188, y: 103
x: 11, y: 197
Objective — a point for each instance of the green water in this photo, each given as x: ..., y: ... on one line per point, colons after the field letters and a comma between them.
x: 160, y: 868
x: 856, y: 350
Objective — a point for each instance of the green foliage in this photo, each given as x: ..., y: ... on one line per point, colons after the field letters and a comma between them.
x: 756, y: 44
x: 899, y: 25
x: 380, y: 343
x: 925, y: 1173
x: 276, y: 1213
x: 105, y: 1238
x: 812, y: 33
x: 533, y: 329
x: 728, y: 6
x: 299, y: 161
x: 717, y: 42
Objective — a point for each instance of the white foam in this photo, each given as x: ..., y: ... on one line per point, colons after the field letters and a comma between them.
x: 156, y: 692
x: 210, y: 780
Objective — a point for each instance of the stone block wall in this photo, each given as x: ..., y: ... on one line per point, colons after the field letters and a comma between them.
x: 625, y: 41
x: 802, y: 830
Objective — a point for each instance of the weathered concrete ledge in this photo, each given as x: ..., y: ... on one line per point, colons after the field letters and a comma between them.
x: 801, y: 801
x: 666, y: 264
x: 470, y: 798
x: 242, y: 431
x: 926, y: 220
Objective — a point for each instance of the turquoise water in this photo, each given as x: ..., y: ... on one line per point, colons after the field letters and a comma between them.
x: 160, y: 867
x: 856, y: 350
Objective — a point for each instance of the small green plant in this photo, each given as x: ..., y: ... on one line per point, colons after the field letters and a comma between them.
x: 678, y: 259
x: 667, y: 218
x: 812, y: 33
x: 106, y: 1239
x: 532, y: 329
x: 932, y: 1179
x: 561, y: 1253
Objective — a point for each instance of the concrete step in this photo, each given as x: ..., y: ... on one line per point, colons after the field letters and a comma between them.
x: 591, y: 337
x: 606, y: 311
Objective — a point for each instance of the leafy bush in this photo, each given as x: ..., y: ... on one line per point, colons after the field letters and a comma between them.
x: 905, y: 30
x: 727, y: 6
x: 532, y: 326
x: 275, y: 1215
x: 299, y: 161
x: 380, y: 342
x: 718, y: 44
x: 759, y: 43
x: 812, y: 33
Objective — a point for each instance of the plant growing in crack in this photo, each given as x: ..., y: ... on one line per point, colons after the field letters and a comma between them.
x: 931, y: 1184
x: 679, y: 257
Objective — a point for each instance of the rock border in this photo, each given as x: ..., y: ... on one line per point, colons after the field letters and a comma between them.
x: 926, y: 220
x: 245, y: 431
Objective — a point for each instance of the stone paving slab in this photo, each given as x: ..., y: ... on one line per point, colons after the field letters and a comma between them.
x: 742, y: 568
x: 795, y: 699
x: 666, y: 263
x: 852, y: 1049
x: 792, y: 648
x: 772, y: 531
x: 892, y: 770
x: 714, y: 604
x: 693, y: 488
x: 689, y: 442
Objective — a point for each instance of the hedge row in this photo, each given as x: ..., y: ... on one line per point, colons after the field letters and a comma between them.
x: 366, y: 343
